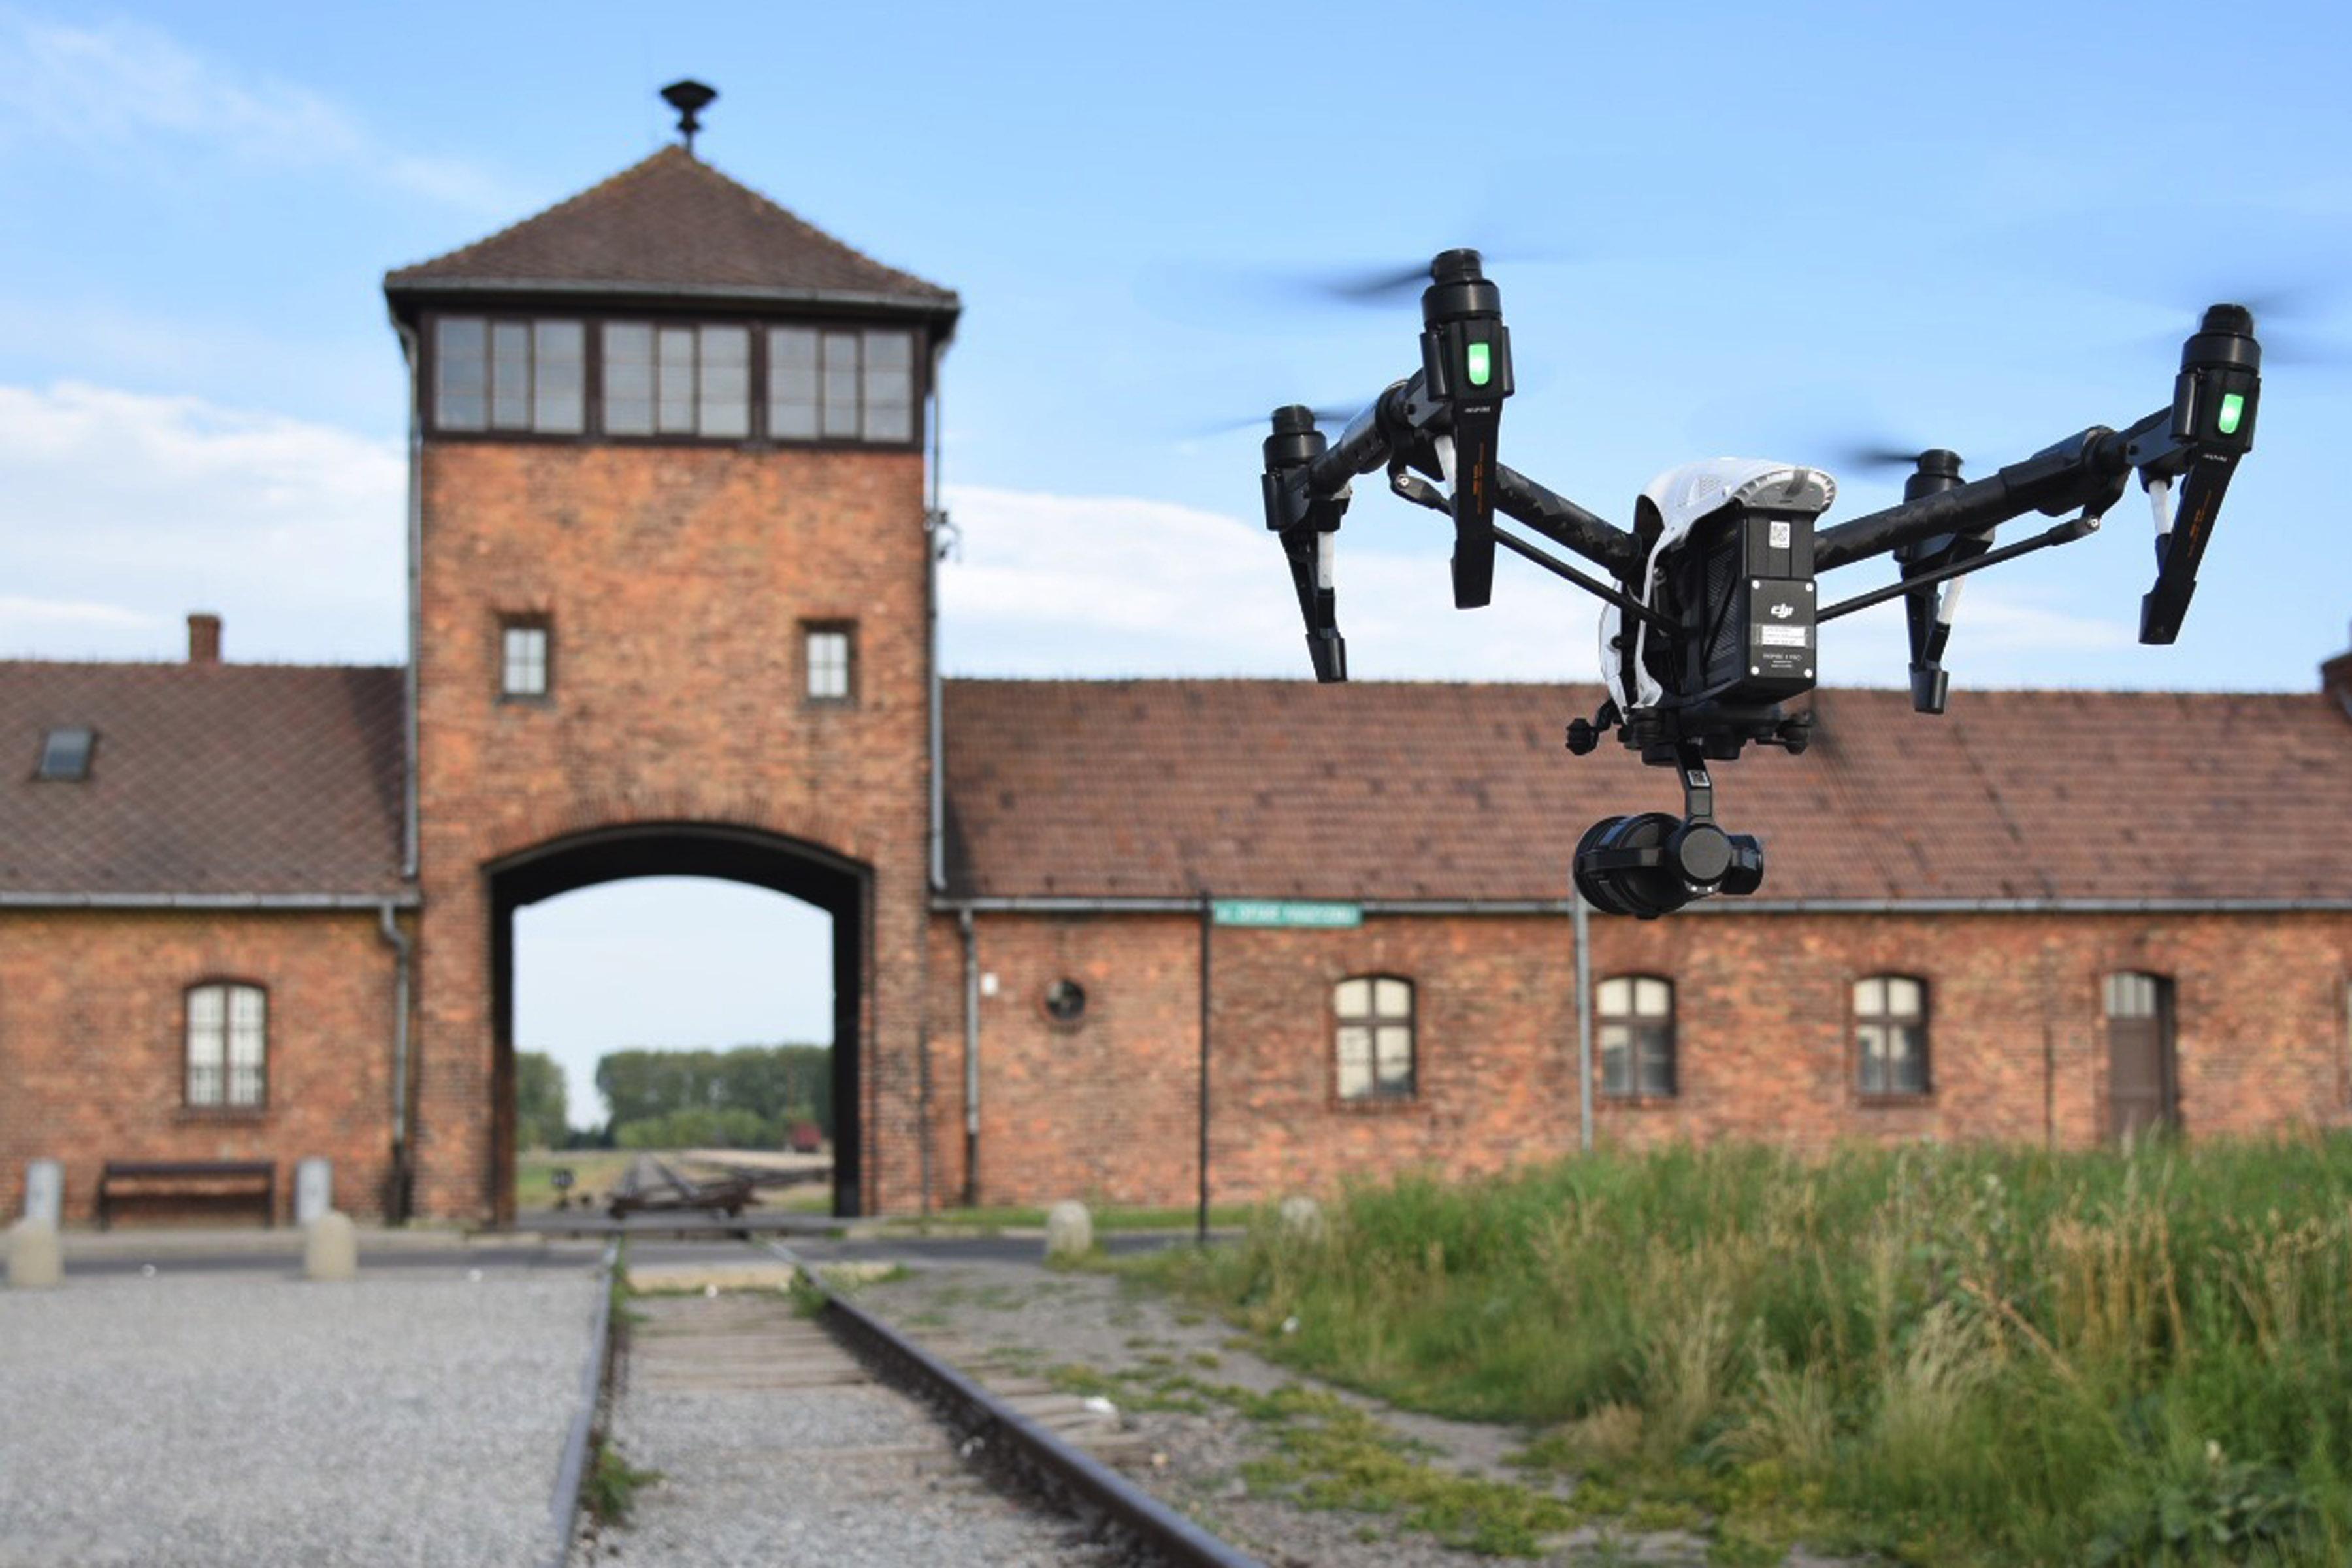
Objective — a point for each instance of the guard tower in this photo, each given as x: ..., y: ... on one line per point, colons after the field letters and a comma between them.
x: 670, y: 593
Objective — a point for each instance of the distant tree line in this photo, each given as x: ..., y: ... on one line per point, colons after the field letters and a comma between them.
x: 748, y: 1097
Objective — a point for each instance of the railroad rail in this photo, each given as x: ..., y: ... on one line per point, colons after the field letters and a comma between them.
x: 989, y: 1431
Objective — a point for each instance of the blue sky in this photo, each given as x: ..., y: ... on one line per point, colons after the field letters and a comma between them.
x: 1739, y: 229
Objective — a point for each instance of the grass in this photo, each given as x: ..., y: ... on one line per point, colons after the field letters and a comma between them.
x: 1323, y: 1453
x: 612, y: 1487
x: 593, y: 1170
x: 1949, y: 1356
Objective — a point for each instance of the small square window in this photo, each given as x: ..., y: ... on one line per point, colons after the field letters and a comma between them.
x: 829, y: 651
x: 64, y: 752
x: 524, y: 659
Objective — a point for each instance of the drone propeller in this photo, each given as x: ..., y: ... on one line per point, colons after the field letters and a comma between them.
x: 1370, y: 286
x: 2285, y: 316
x: 1384, y: 285
x: 1332, y: 416
x: 1879, y: 456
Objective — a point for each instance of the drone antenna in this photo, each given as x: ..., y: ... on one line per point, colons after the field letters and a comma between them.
x: 689, y: 98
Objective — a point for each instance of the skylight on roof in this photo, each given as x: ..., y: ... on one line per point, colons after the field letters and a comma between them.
x: 64, y: 752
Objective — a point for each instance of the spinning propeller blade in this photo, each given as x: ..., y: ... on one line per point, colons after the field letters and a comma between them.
x: 1332, y: 416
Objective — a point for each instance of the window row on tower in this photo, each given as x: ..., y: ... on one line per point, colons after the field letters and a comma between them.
x: 710, y: 380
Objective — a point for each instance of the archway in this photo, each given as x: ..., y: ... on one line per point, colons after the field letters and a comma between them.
x: 839, y: 886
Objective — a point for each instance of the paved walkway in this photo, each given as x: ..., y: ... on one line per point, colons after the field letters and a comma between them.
x: 416, y: 1417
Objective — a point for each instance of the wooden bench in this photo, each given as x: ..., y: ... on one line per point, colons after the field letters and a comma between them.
x: 245, y: 1184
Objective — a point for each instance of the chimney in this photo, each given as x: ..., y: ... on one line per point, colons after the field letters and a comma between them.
x: 203, y: 638
x: 2336, y: 680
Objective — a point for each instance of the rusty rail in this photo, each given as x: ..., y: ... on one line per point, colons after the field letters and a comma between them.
x: 1036, y: 1459
x: 571, y: 1469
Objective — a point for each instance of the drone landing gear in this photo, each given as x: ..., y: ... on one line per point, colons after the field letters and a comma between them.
x: 1652, y: 864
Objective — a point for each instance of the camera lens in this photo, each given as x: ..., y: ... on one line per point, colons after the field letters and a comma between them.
x: 1702, y: 851
x: 1611, y: 876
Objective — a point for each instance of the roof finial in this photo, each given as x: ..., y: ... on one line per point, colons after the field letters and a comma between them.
x: 689, y: 98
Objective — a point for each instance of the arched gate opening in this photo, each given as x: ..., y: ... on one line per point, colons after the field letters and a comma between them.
x: 840, y: 886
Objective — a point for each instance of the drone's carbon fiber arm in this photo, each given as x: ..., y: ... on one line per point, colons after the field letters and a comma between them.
x: 2085, y: 470
x: 1567, y: 524
x: 1403, y: 421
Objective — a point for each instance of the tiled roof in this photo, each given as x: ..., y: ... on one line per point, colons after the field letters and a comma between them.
x: 670, y: 225
x: 1276, y: 788
x: 208, y: 779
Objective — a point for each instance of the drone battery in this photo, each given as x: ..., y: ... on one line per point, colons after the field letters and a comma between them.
x: 1761, y: 575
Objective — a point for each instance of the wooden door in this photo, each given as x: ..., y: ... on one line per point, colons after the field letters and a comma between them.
x: 2142, y: 1096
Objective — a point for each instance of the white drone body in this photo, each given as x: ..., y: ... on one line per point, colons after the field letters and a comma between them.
x: 1678, y: 501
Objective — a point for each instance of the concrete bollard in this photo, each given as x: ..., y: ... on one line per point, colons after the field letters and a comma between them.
x: 45, y: 1191
x: 36, y: 1260
x: 314, y: 1189
x: 1069, y: 1232
x: 331, y: 1249
x: 1301, y: 1218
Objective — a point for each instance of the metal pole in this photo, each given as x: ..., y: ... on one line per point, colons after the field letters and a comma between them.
x: 1579, y: 918
x: 1208, y: 924
x: 971, y: 1063
x: 401, y: 953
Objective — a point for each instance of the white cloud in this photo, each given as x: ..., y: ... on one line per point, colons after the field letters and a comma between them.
x: 119, y: 512
x: 18, y: 613
x: 122, y: 89
x: 2003, y: 634
x: 1056, y: 584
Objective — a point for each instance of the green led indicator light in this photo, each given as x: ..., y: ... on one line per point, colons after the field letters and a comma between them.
x: 2233, y: 409
x: 1482, y: 364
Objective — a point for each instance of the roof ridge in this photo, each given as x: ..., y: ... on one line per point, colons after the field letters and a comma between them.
x: 746, y: 188
x: 144, y: 664
x: 668, y: 221
x: 615, y: 178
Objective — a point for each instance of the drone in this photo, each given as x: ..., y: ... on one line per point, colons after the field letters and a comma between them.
x: 1711, y: 603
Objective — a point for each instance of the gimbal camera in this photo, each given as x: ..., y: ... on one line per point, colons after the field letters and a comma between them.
x: 1710, y: 600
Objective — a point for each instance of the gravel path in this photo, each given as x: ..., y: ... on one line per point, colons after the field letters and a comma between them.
x: 999, y: 1320
x: 180, y: 1422
x: 776, y: 1451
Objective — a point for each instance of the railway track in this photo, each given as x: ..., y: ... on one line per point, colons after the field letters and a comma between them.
x: 803, y: 1429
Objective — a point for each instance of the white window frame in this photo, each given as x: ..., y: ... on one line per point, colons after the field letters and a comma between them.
x: 829, y: 662
x: 526, y: 652
x: 224, y: 1059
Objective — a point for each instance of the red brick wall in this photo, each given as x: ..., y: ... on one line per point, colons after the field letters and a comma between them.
x: 92, y: 1045
x: 1107, y: 1110
x: 674, y: 579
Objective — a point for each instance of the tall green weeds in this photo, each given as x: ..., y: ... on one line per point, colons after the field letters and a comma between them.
x: 1954, y: 1355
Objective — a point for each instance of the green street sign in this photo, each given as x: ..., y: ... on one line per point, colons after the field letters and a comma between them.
x: 1313, y: 914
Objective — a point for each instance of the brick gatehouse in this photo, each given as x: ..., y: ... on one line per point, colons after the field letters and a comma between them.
x: 671, y: 609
